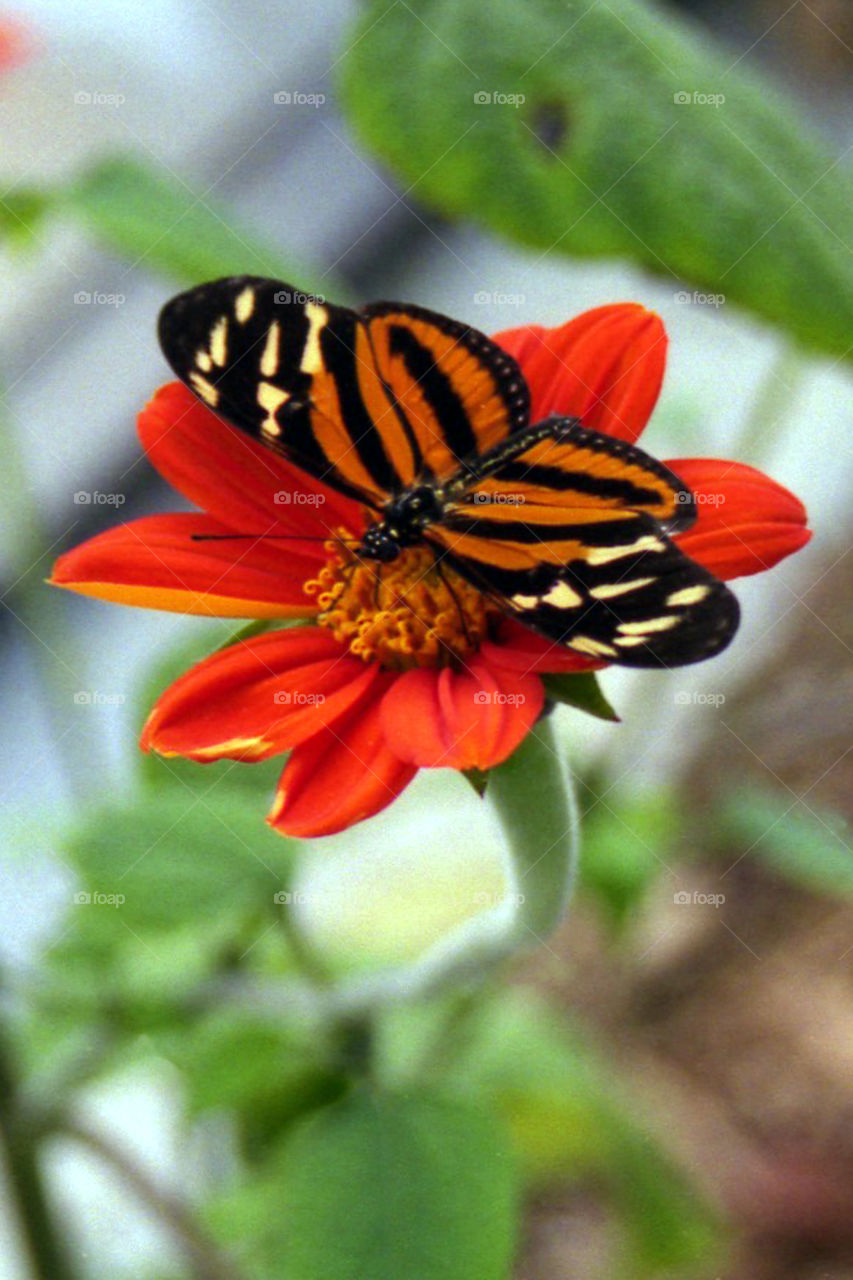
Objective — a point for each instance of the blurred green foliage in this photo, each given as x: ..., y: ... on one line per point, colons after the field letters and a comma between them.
x: 616, y: 148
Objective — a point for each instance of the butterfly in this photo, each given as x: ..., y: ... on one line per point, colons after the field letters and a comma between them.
x: 426, y: 422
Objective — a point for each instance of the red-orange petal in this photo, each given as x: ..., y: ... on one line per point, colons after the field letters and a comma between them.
x: 520, y: 650
x: 257, y: 698
x: 226, y: 473
x: 155, y: 562
x: 342, y: 775
x: 470, y: 719
x: 605, y: 366
x: 746, y: 521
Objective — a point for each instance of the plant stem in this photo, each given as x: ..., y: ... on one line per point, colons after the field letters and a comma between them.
x: 535, y: 802
x: 208, y: 1262
x: 41, y: 1236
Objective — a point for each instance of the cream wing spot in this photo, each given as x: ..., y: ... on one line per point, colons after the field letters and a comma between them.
x: 219, y: 342
x: 647, y: 626
x: 312, y: 356
x: 205, y: 389
x: 604, y: 555
x: 271, y: 398
x: 244, y: 305
x: 612, y: 589
x: 561, y: 596
x: 687, y: 595
x: 595, y: 648
x: 203, y: 360
x: 269, y: 358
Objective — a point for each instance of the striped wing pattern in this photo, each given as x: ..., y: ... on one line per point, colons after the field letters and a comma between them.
x: 567, y: 528
x: 369, y: 402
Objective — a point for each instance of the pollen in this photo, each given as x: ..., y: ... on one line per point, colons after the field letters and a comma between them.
x: 413, y: 612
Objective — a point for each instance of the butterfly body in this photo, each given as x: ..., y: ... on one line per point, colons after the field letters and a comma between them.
x: 426, y: 423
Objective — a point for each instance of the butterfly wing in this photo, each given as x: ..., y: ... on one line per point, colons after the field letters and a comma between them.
x: 370, y: 402
x: 460, y: 393
x: 569, y: 530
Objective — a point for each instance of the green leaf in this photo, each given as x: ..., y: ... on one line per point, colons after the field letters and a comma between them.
x: 148, y: 217
x: 812, y: 847
x: 601, y: 158
x: 22, y: 213
x: 179, y: 859
x: 569, y: 1119
x: 625, y: 848
x: 478, y: 779
x: 385, y: 1186
x: 580, y: 690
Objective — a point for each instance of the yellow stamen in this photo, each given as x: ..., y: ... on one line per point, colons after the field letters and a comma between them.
x: 413, y: 612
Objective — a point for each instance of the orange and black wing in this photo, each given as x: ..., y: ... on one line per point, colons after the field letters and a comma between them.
x: 371, y: 402
x: 569, y: 530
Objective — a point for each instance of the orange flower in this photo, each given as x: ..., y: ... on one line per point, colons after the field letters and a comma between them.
x: 406, y: 673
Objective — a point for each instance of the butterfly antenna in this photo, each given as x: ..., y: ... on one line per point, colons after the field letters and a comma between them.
x: 460, y: 611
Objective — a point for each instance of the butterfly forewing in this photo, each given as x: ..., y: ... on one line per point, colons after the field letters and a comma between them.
x: 294, y: 372
x: 460, y: 393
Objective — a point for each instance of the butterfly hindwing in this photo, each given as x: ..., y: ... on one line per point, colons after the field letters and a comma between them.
x: 568, y: 529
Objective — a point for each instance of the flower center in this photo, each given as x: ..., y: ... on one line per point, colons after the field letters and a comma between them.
x: 411, y: 612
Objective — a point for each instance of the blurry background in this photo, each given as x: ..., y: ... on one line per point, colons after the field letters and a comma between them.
x: 729, y: 1028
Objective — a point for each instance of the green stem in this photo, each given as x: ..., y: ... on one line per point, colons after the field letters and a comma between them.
x: 41, y: 1237
x: 535, y: 802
